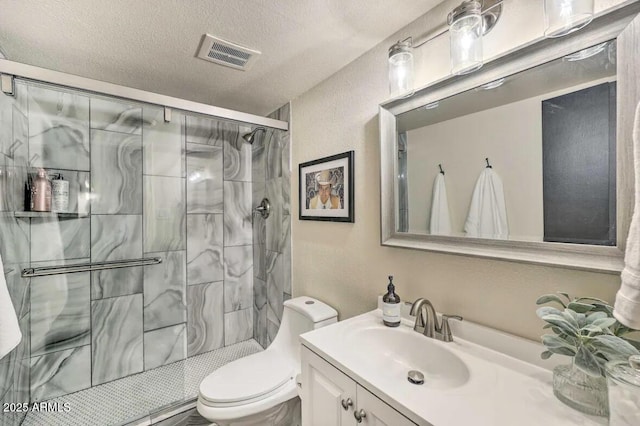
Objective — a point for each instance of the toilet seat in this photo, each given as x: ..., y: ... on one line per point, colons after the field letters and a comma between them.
x: 251, y: 390
x: 247, y: 380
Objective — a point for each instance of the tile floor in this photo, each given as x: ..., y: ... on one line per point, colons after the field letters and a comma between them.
x: 142, y: 395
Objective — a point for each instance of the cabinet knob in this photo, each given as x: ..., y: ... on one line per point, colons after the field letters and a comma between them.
x: 359, y: 415
x: 346, y: 404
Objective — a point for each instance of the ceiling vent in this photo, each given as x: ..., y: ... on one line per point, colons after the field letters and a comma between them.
x: 225, y: 53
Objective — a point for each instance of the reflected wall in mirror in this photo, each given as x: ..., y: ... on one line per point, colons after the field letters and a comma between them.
x: 528, y: 157
x: 554, y: 120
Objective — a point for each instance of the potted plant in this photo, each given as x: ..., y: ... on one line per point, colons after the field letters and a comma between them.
x: 585, y: 330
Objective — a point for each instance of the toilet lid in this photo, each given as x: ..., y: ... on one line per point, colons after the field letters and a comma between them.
x: 247, y: 378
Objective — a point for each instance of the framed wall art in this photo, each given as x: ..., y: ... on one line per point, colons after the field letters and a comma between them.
x: 326, y: 189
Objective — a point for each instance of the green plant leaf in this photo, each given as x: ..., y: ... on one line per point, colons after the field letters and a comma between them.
x: 595, y: 316
x: 604, y: 322
x: 587, y: 362
x: 561, y: 323
x: 546, y: 354
x: 603, y: 307
x: 580, y: 307
x: 546, y: 298
x: 571, y: 316
x: 565, y: 295
x: 563, y: 351
x: 553, y: 342
x: 547, y: 326
x: 560, y: 333
x: 591, y: 330
x: 547, y: 310
x: 574, y: 341
x: 591, y: 299
x: 613, y: 347
x: 582, y: 320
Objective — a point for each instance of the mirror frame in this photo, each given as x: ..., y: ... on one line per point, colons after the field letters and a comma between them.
x: 617, y: 24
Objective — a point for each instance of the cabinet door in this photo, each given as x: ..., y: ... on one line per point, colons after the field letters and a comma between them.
x: 324, y: 388
x: 377, y: 412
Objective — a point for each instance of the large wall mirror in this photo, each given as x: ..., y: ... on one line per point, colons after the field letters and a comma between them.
x: 528, y: 160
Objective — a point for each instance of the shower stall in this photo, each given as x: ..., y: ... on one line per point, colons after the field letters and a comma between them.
x: 158, y: 271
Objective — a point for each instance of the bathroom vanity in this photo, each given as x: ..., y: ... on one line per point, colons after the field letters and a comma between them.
x: 334, y: 398
x: 356, y: 371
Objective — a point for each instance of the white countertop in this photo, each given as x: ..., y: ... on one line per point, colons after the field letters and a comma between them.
x: 501, y: 389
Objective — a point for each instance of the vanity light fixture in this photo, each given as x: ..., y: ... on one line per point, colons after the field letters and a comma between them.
x: 467, y: 24
x: 562, y: 17
x: 465, y: 36
x: 432, y: 105
x: 401, y: 67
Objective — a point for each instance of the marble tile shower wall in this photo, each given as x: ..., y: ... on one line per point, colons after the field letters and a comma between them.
x: 142, y: 187
x: 272, y: 237
x: 15, y: 368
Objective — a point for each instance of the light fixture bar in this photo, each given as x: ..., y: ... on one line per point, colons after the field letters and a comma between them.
x: 466, y: 24
x: 491, y: 11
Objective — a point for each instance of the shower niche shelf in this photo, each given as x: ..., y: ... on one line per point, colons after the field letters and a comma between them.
x: 58, y: 215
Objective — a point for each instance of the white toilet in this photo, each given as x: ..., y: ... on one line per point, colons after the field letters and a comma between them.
x: 252, y: 390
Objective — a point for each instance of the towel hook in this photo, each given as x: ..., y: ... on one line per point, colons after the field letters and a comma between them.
x: 488, y: 165
x: 441, y: 171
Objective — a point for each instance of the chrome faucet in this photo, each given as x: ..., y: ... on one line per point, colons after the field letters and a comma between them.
x: 427, y: 321
x: 420, y: 314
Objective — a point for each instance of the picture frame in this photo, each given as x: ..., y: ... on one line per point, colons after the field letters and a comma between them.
x: 326, y: 189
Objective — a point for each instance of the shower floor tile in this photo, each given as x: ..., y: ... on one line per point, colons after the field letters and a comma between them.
x: 138, y: 395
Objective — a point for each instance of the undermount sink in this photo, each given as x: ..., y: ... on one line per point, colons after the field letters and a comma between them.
x: 394, y: 352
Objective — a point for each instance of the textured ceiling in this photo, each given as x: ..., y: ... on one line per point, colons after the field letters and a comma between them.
x: 152, y: 44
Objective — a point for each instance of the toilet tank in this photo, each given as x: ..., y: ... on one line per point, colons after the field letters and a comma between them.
x: 311, y: 313
x: 300, y: 315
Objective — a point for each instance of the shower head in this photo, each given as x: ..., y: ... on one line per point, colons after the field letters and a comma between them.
x: 249, y: 137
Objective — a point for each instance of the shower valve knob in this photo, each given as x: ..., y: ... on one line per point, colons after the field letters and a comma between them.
x: 264, y: 208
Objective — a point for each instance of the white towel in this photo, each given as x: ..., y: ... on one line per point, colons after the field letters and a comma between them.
x: 440, y: 223
x: 487, y: 214
x: 627, y: 305
x: 10, y: 334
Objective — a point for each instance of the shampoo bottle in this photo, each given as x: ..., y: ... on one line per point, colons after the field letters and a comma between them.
x: 391, y: 306
x: 59, y: 194
x: 41, y: 192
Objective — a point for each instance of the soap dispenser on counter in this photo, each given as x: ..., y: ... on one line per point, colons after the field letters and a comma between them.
x: 391, y: 306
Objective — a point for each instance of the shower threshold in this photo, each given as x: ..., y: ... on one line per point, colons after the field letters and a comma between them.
x: 144, y: 398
